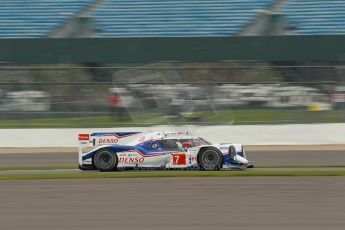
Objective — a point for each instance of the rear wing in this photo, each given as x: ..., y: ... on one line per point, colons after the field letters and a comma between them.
x: 87, y: 141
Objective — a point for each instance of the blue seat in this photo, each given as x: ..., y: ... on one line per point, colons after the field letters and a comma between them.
x: 175, y: 18
x: 317, y: 17
x: 26, y: 18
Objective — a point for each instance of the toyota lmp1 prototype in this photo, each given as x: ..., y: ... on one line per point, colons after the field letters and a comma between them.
x: 111, y: 151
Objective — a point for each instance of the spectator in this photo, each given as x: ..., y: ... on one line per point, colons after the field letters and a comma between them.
x: 116, y: 108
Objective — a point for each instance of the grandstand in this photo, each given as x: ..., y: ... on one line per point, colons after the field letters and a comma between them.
x: 36, y: 18
x: 316, y: 17
x: 149, y: 18
x: 167, y: 18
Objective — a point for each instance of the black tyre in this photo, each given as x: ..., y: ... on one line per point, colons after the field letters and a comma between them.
x: 105, y: 160
x: 210, y: 159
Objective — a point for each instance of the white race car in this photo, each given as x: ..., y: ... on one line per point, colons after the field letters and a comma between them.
x: 111, y: 151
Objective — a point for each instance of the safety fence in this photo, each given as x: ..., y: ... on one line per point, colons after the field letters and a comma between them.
x: 170, y: 93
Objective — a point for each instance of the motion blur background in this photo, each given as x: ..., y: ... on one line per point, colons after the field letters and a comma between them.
x: 112, y: 63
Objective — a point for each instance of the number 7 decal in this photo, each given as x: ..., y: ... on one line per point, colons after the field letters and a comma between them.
x: 179, y: 159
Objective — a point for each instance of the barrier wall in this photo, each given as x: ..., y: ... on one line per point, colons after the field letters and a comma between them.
x: 188, y: 49
x: 299, y: 134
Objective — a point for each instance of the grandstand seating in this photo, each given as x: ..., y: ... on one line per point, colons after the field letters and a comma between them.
x: 172, y: 18
x: 166, y: 18
x: 316, y: 17
x: 35, y: 18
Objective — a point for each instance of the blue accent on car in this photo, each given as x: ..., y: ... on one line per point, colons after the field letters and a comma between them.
x: 227, y: 158
x: 118, y: 134
x: 122, y: 148
x: 115, y: 148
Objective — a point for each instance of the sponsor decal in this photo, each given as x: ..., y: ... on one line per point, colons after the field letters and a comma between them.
x: 108, y: 141
x: 154, y: 145
x: 193, y: 159
x: 179, y: 158
x: 83, y: 137
x: 134, y: 160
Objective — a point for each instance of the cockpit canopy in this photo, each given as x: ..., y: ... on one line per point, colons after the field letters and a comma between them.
x: 172, y: 144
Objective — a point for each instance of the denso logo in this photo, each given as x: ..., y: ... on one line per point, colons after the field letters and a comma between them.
x: 131, y: 159
x: 107, y: 141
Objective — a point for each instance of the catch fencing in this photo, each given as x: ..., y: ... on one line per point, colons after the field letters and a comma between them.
x: 227, y: 93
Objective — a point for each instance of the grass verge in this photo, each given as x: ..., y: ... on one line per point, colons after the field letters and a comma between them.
x: 236, y: 116
x: 48, y: 167
x: 157, y: 174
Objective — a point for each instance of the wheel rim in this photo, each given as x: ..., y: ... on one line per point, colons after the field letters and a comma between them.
x: 105, y: 160
x: 210, y: 159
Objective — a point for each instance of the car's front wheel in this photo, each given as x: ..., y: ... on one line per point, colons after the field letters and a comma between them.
x: 210, y: 159
x: 105, y: 160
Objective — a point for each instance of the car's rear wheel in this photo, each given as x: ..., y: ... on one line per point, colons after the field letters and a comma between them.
x: 210, y: 159
x: 105, y: 160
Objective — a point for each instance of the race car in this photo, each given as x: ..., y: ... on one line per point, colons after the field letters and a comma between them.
x: 111, y: 151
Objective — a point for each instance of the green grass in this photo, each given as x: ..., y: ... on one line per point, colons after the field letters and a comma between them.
x: 275, y: 116
x: 90, y: 122
x: 166, y: 174
x: 240, y: 116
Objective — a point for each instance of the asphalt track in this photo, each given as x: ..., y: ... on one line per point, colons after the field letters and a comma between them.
x: 174, y: 203
x: 271, y: 158
x: 77, y: 171
x: 276, y: 158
